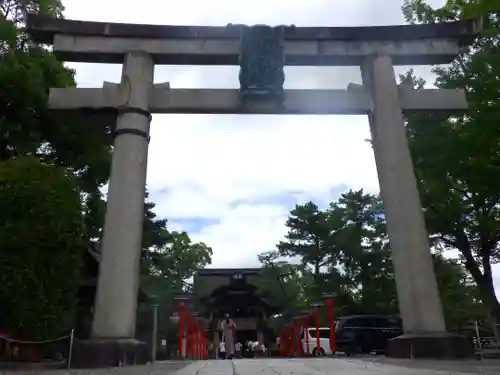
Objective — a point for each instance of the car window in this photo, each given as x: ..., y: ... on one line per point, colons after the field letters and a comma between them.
x: 380, y: 322
x: 394, y: 322
x: 355, y: 322
x: 324, y: 333
x: 387, y: 322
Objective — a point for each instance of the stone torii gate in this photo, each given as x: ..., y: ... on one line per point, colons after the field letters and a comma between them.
x: 139, y: 47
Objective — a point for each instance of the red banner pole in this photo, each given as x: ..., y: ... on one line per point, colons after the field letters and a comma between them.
x: 281, y: 342
x: 332, y: 328
x: 203, y: 345
x: 329, y: 300
x: 200, y: 342
x: 285, y: 341
x: 181, y: 332
x: 193, y: 353
x: 318, y: 345
x: 290, y: 340
x: 188, y: 333
x: 306, y: 333
x: 196, y: 343
x: 299, y: 341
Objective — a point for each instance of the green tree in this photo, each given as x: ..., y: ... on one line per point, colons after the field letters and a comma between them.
x: 287, y: 287
x: 357, y: 266
x: 359, y: 232
x: 27, y: 126
x: 166, y: 268
x: 459, y: 296
x: 154, y: 228
x: 283, y: 284
x: 80, y: 146
x: 307, y: 238
x: 41, y: 231
x: 457, y: 159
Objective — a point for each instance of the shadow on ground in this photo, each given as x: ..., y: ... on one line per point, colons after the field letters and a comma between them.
x: 159, y: 368
x: 483, y: 367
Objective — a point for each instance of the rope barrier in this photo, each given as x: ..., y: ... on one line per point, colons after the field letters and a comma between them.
x: 10, y: 339
x: 71, y: 338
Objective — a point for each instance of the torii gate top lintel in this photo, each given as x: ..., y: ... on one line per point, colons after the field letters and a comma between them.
x: 303, y: 45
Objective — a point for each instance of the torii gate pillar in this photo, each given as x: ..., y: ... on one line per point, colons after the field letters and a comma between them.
x: 123, y: 225
x: 113, y: 326
x: 417, y: 290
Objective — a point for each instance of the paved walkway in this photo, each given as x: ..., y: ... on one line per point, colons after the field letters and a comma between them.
x: 340, y: 366
x: 310, y: 366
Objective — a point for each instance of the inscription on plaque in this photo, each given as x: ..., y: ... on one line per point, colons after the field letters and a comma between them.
x: 262, y: 62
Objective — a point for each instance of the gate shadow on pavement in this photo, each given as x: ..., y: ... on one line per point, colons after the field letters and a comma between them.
x: 483, y: 367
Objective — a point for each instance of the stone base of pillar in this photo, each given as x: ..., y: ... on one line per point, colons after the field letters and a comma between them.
x: 101, y: 352
x: 430, y: 346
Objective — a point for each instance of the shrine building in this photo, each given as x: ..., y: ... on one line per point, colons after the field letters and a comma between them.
x: 235, y: 292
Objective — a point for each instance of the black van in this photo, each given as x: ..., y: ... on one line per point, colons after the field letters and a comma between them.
x: 358, y: 334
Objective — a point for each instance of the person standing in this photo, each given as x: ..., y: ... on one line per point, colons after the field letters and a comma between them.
x: 237, y: 349
x: 228, y: 328
x: 222, y: 350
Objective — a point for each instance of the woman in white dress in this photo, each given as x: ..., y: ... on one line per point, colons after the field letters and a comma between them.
x: 227, y: 327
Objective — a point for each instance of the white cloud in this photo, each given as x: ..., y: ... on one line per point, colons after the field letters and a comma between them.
x: 243, y: 230
x: 203, y: 167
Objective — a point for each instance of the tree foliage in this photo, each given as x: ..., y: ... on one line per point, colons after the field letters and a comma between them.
x: 27, y: 126
x: 167, y: 267
x: 305, y: 238
x: 355, y: 263
x: 457, y: 159
x: 176, y: 260
x: 78, y: 148
x: 41, y: 232
x: 282, y: 283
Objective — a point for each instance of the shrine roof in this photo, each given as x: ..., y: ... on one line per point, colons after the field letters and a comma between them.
x: 228, y: 271
x: 43, y: 29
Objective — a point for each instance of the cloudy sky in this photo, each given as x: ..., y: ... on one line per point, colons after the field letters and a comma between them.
x: 231, y: 180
